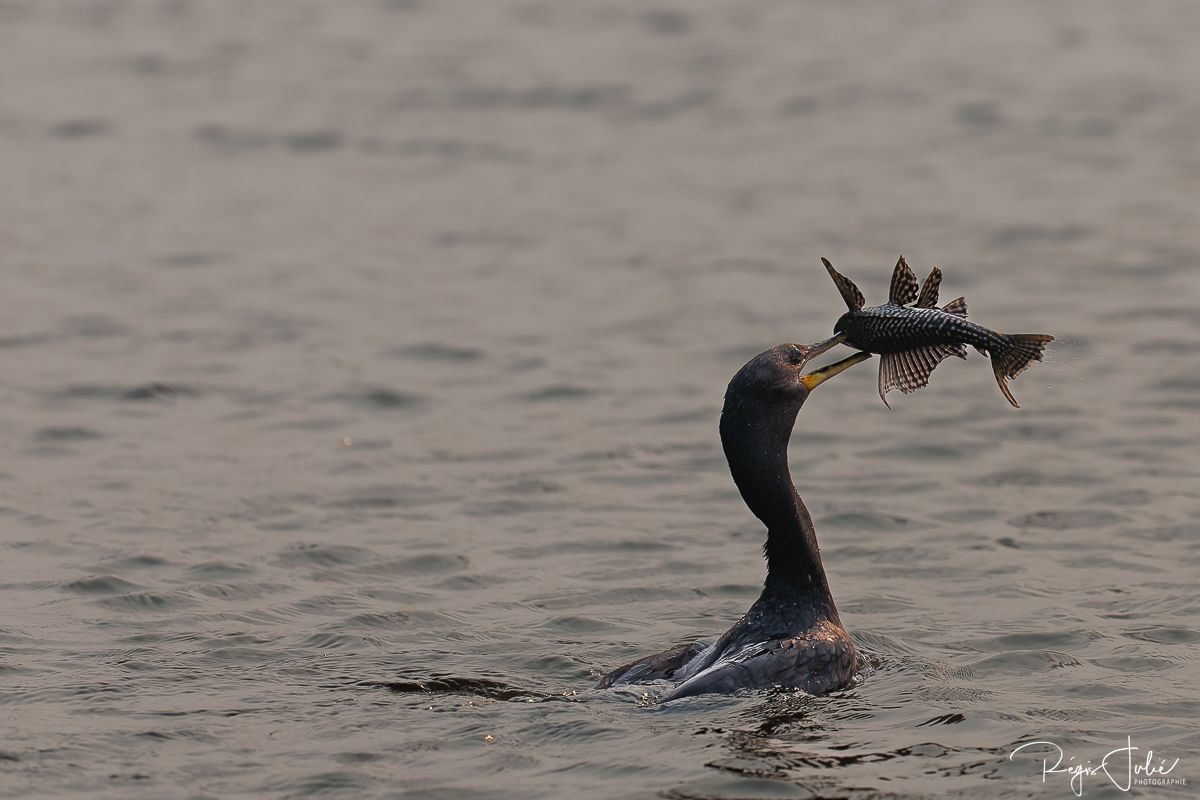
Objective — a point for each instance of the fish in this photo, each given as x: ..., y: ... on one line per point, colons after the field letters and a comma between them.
x: 912, y: 335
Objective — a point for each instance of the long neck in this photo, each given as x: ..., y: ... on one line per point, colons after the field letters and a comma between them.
x: 755, y: 436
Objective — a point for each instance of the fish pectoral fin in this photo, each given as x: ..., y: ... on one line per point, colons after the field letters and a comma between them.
x: 850, y: 293
x: 929, y: 290
x: 904, y: 287
x: 910, y: 370
x: 887, y: 376
x: 957, y: 307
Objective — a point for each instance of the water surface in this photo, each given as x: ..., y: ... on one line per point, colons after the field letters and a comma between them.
x: 362, y: 365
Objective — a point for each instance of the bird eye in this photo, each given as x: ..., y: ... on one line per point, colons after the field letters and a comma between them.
x: 795, y: 355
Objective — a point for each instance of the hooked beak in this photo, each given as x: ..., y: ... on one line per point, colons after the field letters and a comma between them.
x: 817, y: 349
x: 815, y: 378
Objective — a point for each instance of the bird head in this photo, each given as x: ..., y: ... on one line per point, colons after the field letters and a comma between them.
x: 781, y: 373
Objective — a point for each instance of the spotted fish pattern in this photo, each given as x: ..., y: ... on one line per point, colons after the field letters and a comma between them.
x: 913, y: 336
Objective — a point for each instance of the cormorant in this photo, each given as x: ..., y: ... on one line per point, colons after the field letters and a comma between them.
x: 791, y: 637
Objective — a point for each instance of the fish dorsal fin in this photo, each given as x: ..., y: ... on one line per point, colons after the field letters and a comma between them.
x: 910, y: 370
x: 929, y: 290
x: 850, y: 293
x: 904, y: 284
x: 957, y: 307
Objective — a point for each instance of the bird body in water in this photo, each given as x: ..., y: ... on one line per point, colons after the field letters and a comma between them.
x: 792, y: 636
x: 913, y: 340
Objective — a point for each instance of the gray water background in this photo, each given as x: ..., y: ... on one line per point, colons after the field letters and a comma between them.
x: 354, y: 350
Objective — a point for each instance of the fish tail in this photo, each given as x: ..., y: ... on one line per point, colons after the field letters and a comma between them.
x: 1018, y: 352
